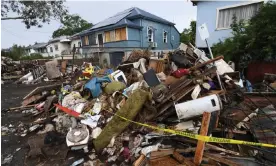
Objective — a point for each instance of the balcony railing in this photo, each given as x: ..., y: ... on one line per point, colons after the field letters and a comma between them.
x: 70, y: 51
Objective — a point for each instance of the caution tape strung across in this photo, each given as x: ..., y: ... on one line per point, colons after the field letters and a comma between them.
x: 199, y: 137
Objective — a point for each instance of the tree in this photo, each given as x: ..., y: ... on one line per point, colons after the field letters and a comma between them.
x: 254, y: 40
x: 33, y: 13
x: 71, y: 24
x: 15, y: 53
x: 188, y: 34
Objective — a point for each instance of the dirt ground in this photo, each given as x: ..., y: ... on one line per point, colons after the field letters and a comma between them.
x: 16, y: 145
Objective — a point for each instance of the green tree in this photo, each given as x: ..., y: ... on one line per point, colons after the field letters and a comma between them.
x: 188, y: 34
x: 71, y: 24
x: 253, y: 40
x: 33, y: 13
x: 15, y: 53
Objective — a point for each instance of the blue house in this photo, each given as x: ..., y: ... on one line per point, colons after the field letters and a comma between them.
x: 134, y: 28
x: 218, y: 17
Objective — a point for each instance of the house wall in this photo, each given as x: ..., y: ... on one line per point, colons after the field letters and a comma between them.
x: 61, y: 47
x: 76, y: 42
x: 125, y: 43
x: 207, y: 13
x: 158, y: 35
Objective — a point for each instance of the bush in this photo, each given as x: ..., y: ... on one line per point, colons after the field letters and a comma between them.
x: 251, y: 41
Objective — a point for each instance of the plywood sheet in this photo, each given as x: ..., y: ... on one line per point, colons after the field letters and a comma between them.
x: 123, y: 34
x: 107, y: 36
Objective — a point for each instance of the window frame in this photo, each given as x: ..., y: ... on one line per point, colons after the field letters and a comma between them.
x: 232, y: 6
x: 148, y: 28
x: 164, y: 36
x: 56, y: 47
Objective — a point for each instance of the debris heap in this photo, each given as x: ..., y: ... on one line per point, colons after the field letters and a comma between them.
x: 182, y: 109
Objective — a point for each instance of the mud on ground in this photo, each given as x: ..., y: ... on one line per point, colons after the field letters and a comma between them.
x: 12, y: 96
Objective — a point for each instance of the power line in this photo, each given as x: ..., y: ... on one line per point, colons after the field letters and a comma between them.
x: 16, y: 35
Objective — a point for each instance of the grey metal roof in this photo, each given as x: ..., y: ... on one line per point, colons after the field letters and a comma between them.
x: 112, y: 20
x: 38, y: 45
x: 136, y: 12
x: 124, y: 18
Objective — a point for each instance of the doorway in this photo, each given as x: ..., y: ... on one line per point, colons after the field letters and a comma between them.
x: 100, y: 40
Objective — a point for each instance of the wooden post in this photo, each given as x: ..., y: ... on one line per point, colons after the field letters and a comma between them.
x: 74, y: 50
x: 201, y: 144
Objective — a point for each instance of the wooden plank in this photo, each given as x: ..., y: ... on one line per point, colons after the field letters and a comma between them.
x: 21, y: 107
x: 107, y: 36
x: 201, y: 144
x: 161, y: 153
x: 140, y: 161
x: 206, y: 63
x: 123, y: 34
x: 182, y: 159
x: 221, y: 159
x: 63, y: 66
x: 30, y: 99
x: 41, y: 89
x: 117, y: 34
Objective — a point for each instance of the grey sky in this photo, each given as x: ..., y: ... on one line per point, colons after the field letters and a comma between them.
x: 179, y: 12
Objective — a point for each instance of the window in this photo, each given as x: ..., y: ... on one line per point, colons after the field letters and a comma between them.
x: 51, y: 49
x: 92, y: 39
x: 172, y: 37
x: 107, y: 36
x: 110, y: 35
x: 115, y: 35
x: 120, y: 34
x: 242, y: 12
x: 150, y: 34
x: 79, y: 44
x: 56, y: 47
x: 165, y: 37
x: 85, y: 41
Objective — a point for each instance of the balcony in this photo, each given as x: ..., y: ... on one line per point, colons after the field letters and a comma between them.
x: 70, y: 52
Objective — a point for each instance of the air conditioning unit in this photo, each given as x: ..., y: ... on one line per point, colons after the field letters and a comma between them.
x: 153, y: 44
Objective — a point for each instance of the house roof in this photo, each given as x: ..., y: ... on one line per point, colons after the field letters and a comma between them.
x: 125, y: 18
x: 57, y: 39
x: 38, y: 45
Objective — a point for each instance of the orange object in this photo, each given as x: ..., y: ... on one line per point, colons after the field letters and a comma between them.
x: 67, y: 110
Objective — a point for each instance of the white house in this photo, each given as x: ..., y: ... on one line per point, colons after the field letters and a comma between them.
x: 38, y: 48
x: 58, y: 45
x: 62, y: 47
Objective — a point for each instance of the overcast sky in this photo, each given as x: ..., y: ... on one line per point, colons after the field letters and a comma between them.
x: 179, y: 12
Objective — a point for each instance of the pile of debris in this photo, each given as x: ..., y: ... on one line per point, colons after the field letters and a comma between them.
x: 150, y: 111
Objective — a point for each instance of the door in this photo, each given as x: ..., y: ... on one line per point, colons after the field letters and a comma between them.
x: 116, y: 58
x: 100, y: 40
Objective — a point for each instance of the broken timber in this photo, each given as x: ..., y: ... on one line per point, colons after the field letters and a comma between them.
x: 201, y: 144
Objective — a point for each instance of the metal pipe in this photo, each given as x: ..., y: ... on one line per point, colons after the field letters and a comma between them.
x: 210, y: 51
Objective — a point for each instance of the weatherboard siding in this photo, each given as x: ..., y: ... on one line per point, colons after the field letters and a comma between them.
x: 125, y: 43
x: 159, y: 28
x: 207, y: 13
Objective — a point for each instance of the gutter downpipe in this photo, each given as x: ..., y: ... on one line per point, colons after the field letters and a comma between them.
x: 171, y: 36
x: 141, y: 33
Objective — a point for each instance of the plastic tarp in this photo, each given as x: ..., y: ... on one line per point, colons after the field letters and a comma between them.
x: 94, y: 85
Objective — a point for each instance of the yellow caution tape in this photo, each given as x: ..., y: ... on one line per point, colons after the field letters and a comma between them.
x: 200, y: 137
